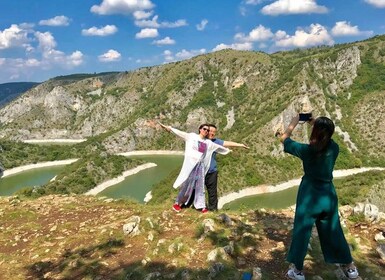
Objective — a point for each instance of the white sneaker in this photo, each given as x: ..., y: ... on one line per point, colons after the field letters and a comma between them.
x: 295, y: 275
x: 351, y: 273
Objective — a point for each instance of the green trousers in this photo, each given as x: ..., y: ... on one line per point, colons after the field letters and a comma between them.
x: 317, y: 203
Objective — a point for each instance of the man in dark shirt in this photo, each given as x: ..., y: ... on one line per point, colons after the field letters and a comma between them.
x: 211, y: 179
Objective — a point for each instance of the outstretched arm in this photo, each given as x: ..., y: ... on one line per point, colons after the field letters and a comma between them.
x: 168, y: 128
x: 290, y: 128
x: 177, y: 132
x: 234, y: 144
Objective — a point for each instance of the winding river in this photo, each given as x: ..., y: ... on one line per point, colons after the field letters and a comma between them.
x: 159, y: 166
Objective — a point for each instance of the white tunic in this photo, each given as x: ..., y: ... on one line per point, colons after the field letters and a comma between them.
x: 193, y: 155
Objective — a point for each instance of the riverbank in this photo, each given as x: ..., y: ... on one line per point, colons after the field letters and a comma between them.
x: 119, y: 179
x: 44, y: 141
x: 261, y: 189
x: 19, y: 169
x: 151, y: 152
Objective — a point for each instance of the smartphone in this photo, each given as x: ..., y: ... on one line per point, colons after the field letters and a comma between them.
x: 304, y: 117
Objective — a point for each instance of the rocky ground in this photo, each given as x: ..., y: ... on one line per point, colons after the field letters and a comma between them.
x: 83, y: 237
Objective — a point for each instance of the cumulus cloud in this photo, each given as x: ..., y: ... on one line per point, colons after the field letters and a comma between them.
x: 139, y: 15
x: 14, y: 36
x: 104, y: 31
x: 51, y: 56
x: 293, y: 7
x: 56, y: 21
x: 254, y: 2
x: 110, y: 7
x: 168, y: 56
x: 32, y: 62
x: 260, y: 33
x: 185, y: 54
x: 164, y: 41
x: 246, y: 46
x: 75, y: 59
x: 153, y: 23
x: 315, y: 35
x: 46, y: 41
x: 182, y: 55
x: 202, y: 25
x: 147, y: 33
x: 110, y: 56
x: 344, y: 28
x: 42, y: 55
x: 376, y: 3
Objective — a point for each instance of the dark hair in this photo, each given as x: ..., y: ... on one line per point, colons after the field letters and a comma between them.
x: 212, y: 125
x: 321, y: 134
x: 201, y: 126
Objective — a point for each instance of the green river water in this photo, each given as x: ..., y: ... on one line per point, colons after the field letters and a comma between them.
x: 138, y: 185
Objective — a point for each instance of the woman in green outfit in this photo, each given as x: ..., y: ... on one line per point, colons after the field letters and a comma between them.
x: 316, y: 199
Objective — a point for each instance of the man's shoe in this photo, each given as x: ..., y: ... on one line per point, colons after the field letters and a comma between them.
x: 204, y: 210
x: 176, y: 207
x: 351, y: 272
x: 292, y: 274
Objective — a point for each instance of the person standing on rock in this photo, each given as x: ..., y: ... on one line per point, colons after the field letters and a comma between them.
x: 317, y: 200
x: 198, y: 152
x: 211, y: 178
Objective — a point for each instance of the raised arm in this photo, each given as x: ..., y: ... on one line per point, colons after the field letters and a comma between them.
x: 290, y: 128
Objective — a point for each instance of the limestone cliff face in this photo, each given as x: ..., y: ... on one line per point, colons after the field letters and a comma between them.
x: 249, y: 95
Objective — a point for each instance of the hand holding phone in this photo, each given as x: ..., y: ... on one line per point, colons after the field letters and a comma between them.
x: 304, y: 117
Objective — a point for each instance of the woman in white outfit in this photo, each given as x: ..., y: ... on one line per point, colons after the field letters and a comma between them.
x: 197, y: 157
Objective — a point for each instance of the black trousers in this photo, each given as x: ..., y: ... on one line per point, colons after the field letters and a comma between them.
x: 211, y: 182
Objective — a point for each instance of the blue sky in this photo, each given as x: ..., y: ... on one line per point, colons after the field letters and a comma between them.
x: 41, y: 39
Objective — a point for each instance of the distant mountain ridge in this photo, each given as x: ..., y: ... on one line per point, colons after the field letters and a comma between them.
x: 10, y: 91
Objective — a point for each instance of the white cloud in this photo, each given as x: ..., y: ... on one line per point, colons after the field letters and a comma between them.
x: 254, y: 2
x: 14, y: 36
x: 56, y: 21
x: 32, y: 62
x: 164, y: 41
x: 104, y: 31
x: 178, y: 23
x: 344, y: 28
x: 168, y: 56
x: 260, y: 33
x: 293, y: 7
x: 376, y: 3
x: 138, y: 15
x: 246, y: 46
x: 75, y: 59
x: 110, y: 56
x: 315, y: 35
x: 147, y: 33
x: 184, y: 54
x: 110, y: 7
x: 153, y: 23
x: 46, y: 41
x: 51, y: 56
x: 201, y: 26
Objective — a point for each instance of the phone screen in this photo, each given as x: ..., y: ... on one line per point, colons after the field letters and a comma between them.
x: 304, y: 117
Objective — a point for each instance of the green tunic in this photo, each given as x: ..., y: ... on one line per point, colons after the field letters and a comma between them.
x: 317, y: 203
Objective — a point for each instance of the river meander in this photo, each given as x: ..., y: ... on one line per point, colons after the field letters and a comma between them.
x: 138, y: 185
x: 135, y: 186
x: 29, y: 178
